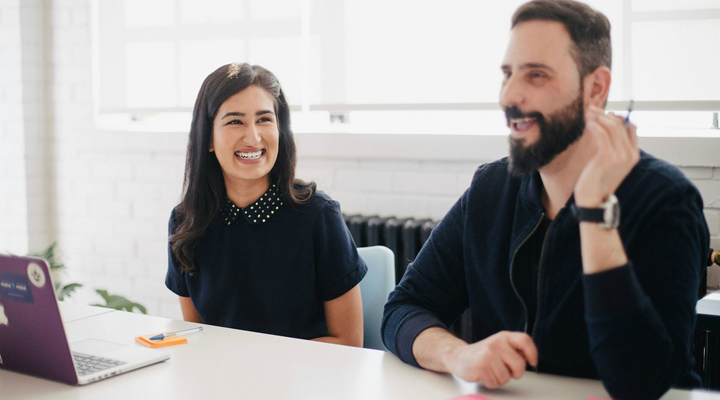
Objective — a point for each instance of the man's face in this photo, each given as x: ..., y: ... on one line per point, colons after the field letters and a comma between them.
x: 541, y: 93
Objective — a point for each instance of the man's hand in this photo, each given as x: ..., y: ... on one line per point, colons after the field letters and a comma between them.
x: 617, y: 153
x: 493, y: 360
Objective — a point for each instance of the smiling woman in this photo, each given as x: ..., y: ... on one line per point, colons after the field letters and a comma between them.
x: 250, y: 246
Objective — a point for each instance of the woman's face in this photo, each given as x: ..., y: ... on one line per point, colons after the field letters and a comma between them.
x: 245, y: 136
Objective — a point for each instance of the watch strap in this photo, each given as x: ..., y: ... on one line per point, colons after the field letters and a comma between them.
x: 588, y: 214
x: 607, y: 215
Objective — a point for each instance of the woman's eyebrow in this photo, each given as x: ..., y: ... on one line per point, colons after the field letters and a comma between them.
x: 239, y: 114
x: 233, y: 114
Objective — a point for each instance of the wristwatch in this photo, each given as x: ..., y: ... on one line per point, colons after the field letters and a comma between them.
x: 607, y: 215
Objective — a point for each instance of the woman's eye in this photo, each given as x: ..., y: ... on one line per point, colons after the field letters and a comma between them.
x: 265, y: 119
x: 235, y: 122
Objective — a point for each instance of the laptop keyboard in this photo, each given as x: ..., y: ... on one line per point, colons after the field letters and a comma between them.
x: 87, y: 364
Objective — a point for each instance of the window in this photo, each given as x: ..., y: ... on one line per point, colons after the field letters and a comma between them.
x: 390, y: 66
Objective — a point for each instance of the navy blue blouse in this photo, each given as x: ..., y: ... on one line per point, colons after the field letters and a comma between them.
x: 271, y: 266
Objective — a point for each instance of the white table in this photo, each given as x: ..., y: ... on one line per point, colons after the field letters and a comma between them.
x: 226, y: 363
x: 72, y: 311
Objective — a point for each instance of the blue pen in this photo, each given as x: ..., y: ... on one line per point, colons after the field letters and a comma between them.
x: 164, y: 335
x: 627, y: 117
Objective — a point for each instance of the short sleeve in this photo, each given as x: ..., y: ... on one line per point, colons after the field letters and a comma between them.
x: 338, y: 266
x: 175, y: 279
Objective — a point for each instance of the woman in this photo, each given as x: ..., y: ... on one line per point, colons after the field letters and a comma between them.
x: 250, y: 246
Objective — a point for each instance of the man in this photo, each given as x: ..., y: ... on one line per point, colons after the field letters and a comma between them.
x: 534, y: 247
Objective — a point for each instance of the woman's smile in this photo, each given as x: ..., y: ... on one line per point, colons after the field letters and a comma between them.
x: 249, y: 156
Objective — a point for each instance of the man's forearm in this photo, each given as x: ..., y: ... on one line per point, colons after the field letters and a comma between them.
x: 433, y: 347
x: 601, y: 248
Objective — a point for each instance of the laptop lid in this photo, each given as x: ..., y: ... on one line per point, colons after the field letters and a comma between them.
x: 32, y: 335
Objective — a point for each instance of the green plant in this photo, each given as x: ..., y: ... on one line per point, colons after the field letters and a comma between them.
x: 61, y: 291
x: 118, y: 302
x: 64, y: 291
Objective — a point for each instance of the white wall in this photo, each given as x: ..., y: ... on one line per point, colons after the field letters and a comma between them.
x: 13, y: 192
x: 25, y: 220
x: 109, y: 194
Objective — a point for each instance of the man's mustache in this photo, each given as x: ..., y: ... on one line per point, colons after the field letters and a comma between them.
x: 514, y: 112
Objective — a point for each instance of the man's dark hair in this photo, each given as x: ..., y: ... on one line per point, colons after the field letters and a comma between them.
x: 588, y: 29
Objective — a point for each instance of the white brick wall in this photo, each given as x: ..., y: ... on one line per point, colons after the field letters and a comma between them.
x: 110, y: 193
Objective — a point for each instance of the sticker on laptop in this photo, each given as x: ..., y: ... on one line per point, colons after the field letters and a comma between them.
x: 3, y: 317
x: 16, y: 287
x: 36, y: 275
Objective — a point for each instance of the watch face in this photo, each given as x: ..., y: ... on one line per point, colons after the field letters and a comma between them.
x: 612, y: 212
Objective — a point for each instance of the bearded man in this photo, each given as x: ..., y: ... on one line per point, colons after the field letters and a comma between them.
x: 557, y: 280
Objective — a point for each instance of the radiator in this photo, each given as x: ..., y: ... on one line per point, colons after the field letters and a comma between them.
x: 404, y: 237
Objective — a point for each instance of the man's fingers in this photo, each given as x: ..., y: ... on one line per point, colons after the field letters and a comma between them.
x: 615, y: 131
x: 523, y: 343
x: 601, y: 137
x: 488, y: 378
x: 501, y: 372
x: 632, y: 134
x: 515, y: 363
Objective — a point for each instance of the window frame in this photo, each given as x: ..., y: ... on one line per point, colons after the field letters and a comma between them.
x: 106, y: 117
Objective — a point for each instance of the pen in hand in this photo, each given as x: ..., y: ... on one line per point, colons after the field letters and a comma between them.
x: 627, y: 117
x: 164, y: 335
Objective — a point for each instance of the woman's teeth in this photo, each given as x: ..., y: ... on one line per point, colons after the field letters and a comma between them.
x: 249, y: 156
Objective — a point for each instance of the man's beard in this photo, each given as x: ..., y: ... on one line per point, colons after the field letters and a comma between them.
x: 557, y: 132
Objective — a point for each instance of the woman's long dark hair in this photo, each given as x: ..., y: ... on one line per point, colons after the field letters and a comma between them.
x: 204, y: 186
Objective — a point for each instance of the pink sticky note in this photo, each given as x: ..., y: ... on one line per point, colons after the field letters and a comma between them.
x: 469, y: 397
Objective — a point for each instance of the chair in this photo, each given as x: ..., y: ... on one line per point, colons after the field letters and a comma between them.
x: 375, y: 288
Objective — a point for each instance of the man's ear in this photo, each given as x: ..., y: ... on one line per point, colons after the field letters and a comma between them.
x: 597, y: 87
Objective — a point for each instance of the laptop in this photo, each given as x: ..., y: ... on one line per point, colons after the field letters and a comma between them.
x: 32, y: 335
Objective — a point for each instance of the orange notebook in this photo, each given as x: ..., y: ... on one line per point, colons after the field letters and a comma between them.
x: 168, y: 341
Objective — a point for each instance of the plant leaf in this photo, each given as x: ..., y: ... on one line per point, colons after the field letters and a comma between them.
x: 67, y: 290
x: 49, y: 255
x: 119, y: 303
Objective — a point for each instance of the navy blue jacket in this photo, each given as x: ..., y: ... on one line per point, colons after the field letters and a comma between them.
x: 631, y: 327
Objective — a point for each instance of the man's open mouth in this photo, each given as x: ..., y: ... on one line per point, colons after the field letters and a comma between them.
x: 520, y: 124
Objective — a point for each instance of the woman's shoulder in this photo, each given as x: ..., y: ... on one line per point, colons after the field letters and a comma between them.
x: 175, y: 218
x: 319, y: 202
x: 321, y: 197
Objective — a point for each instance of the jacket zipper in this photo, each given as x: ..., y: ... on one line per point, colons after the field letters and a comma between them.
x: 512, y: 264
x: 539, y: 282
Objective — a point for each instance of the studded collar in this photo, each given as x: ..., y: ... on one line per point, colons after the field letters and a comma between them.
x: 257, y: 213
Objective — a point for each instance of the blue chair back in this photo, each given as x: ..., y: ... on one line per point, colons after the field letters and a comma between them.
x: 375, y: 288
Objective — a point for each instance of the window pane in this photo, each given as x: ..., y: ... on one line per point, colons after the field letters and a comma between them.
x: 151, y: 74
x: 273, y: 10
x: 149, y: 14
x: 424, y: 51
x: 210, y: 11
x: 670, y: 5
x: 199, y: 58
x: 676, y: 60
x: 672, y: 120
x: 283, y: 57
